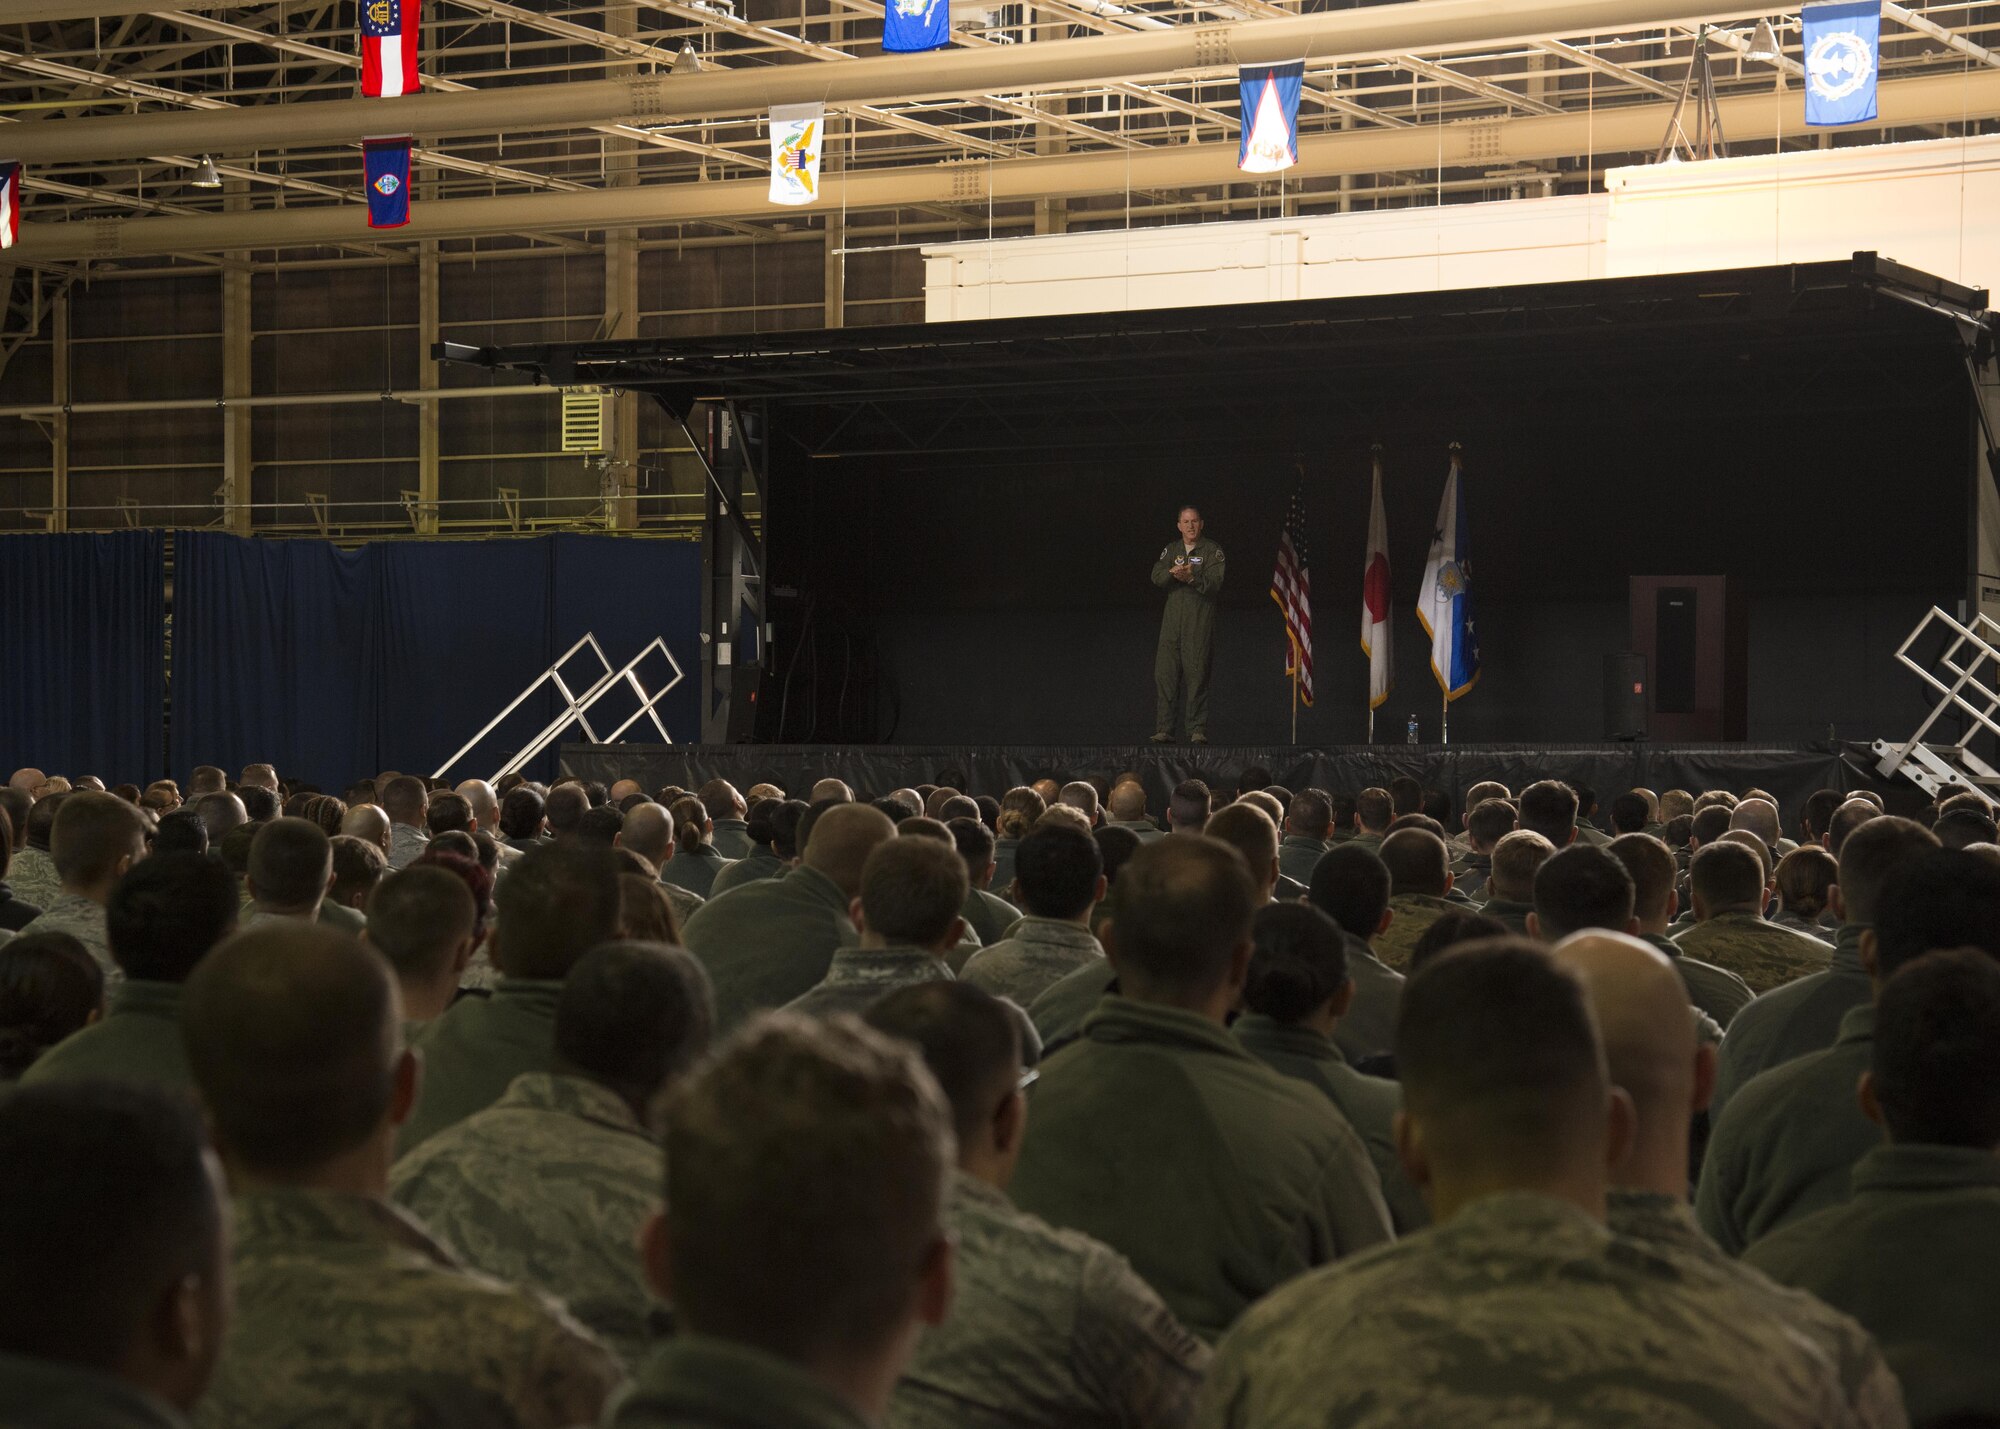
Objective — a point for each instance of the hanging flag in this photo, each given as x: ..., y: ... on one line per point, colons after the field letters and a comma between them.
x: 1842, y: 44
x: 10, y: 205
x: 1376, y: 641
x: 1269, y: 99
x: 389, y: 48
x: 909, y: 25
x: 1444, y: 604
x: 1291, y: 588
x: 387, y: 164
x: 796, y: 130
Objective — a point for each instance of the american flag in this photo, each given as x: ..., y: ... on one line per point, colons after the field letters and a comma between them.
x: 1291, y: 588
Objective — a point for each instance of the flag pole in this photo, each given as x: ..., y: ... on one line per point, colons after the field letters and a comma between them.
x: 1295, y: 695
x: 1444, y: 722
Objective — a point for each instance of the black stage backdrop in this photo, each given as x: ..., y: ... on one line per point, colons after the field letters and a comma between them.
x: 1790, y: 772
x: 974, y: 597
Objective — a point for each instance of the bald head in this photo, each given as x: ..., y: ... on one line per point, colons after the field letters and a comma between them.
x: 1128, y: 802
x: 841, y: 840
x: 1759, y: 817
x: 485, y: 803
x: 649, y: 832
x: 1650, y: 1048
x: 292, y: 1034
x: 29, y: 779
x: 831, y: 789
x: 367, y: 822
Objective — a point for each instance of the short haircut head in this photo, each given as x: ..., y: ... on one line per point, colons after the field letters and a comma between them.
x: 449, y: 812
x: 92, y: 833
x: 207, y: 779
x: 1436, y: 804
x: 565, y: 806
x: 1653, y: 871
x: 1181, y: 909
x: 1374, y: 808
x: 1128, y: 801
x: 292, y: 1031
x: 1548, y: 808
x: 1418, y: 862
x: 1418, y: 821
x: 1250, y: 831
x: 1406, y: 795
x: 1936, y: 1056
x: 106, y: 1204
x: 182, y: 831
x: 806, y: 1173
x: 1582, y: 887
x: 1759, y: 817
x: 1817, y: 811
x: 839, y: 838
x: 1115, y: 847
x: 785, y: 823
x: 720, y: 799
x: 1350, y: 884
x: 1726, y: 875
x: 1057, y: 869
x: 924, y: 827
x: 358, y: 866
x: 1447, y: 931
x: 557, y: 902
x: 635, y: 1016
x: 1846, y: 819
x: 1487, y: 1097
x: 1947, y: 899
x: 259, y: 803
x: 1964, y: 827
x: 969, y: 1039
x: 1516, y: 860
x: 1310, y: 814
x: 404, y: 797
x: 50, y: 986
x: 1675, y: 802
x: 521, y: 813
x: 419, y: 918
x: 601, y: 825
x: 1874, y: 854
x: 974, y: 842
x: 757, y: 821
x: 1081, y: 795
x: 912, y: 890
x: 290, y: 863
x: 1188, y: 806
x: 1490, y: 821
x: 956, y: 806
x: 1630, y: 813
x: 1299, y: 964
x: 165, y: 915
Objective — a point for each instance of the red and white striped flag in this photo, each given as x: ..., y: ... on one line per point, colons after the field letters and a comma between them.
x: 1375, y: 634
x: 389, y: 48
x: 10, y: 205
x: 1291, y: 588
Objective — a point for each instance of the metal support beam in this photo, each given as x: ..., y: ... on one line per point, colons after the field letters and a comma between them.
x: 429, y: 445
x: 1924, y: 25
x: 732, y: 568
x: 59, y: 423
x: 237, y: 378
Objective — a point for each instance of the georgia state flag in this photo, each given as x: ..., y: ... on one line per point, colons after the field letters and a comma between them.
x: 389, y: 48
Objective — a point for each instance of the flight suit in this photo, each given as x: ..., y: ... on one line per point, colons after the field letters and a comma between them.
x: 1187, y: 635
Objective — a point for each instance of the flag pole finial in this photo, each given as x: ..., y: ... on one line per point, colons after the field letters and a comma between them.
x: 1375, y: 447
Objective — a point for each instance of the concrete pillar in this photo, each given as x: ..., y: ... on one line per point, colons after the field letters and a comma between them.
x: 59, y: 424
x: 621, y: 304
x: 236, y: 379
x: 428, y: 379
x: 836, y: 268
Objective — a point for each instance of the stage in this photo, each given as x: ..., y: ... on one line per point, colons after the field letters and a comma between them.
x: 1791, y: 772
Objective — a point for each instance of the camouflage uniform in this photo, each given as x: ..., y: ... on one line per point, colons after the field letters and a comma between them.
x: 1914, y: 1256
x: 1666, y: 1226
x: 33, y: 876
x: 1521, y: 1310
x: 1047, y: 1327
x: 1298, y: 856
x: 768, y: 941
x: 42, y: 1394
x: 1761, y: 953
x: 1218, y: 1178
x: 475, y: 1050
x: 1369, y: 1028
x: 1718, y: 992
x: 1369, y: 1103
x: 139, y: 1040
x: 548, y: 1188
x: 83, y: 920
x: 1415, y: 912
x: 1036, y: 955
x: 698, y: 1382
x: 1788, y: 1141
x: 1469, y: 875
x: 1513, y: 915
x: 407, y: 843
x: 348, y: 1313
x: 988, y: 916
x: 1795, y: 1019
x: 759, y: 864
x: 857, y: 977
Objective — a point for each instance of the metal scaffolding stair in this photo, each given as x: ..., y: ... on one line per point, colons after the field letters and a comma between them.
x: 1964, y: 674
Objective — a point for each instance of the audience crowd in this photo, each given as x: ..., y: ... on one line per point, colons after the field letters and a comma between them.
x: 815, y: 1108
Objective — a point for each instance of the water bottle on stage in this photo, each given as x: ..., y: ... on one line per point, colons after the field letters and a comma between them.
x: 1410, y: 737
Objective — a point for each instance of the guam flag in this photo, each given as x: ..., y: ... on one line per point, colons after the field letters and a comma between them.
x: 389, y: 48
x: 1843, y: 44
x: 10, y: 205
x: 387, y: 163
x: 1269, y: 98
x: 909, y: 25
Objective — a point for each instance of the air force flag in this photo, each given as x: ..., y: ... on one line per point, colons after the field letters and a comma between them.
x: 916, y: 25
x: 387, y: 164
x: 1842, y: 44
x: 1444, y: 605
x: 796, y: 132
x: 1269, y: 99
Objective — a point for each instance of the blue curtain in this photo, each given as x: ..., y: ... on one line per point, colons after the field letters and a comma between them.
x: 333, y: 665
x: 83, y: 658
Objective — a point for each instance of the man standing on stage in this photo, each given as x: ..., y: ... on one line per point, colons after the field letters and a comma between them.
x: 1190, y: 570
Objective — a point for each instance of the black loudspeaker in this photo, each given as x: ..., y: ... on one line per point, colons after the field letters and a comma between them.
x: 1677, y: 612
x: 1624, y: 696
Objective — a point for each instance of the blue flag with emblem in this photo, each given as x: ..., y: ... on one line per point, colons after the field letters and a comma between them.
x: 1444, y: 601
x: 387, y: 164
x: 1268, y: 97
x: 909, y: 25
x: 1843, y: 46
